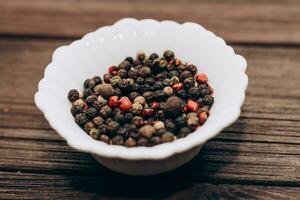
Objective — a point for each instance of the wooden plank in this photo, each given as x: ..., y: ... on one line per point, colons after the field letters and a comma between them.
x: 237, y: 21
x: 27, y: 186
x: 219, y: 161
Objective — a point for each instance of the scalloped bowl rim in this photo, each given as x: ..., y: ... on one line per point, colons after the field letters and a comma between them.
x: 157, y: 152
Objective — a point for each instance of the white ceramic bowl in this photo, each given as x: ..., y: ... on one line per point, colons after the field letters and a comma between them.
x: 109, y: 45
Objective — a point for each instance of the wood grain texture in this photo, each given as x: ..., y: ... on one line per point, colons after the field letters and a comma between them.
x: 262, y: 147
x: 237, y: 21
x: 28, y: 186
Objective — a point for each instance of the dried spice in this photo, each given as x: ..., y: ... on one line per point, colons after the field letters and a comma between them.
x: 144, y: 101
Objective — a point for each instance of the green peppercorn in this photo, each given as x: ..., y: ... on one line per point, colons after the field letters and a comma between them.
x: 73, y: 95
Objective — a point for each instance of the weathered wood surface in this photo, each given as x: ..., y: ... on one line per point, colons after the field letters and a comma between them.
x: 244, y: 21
x: 258, y: 157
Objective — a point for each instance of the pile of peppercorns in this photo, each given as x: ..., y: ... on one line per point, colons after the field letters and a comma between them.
x: 143, y: 102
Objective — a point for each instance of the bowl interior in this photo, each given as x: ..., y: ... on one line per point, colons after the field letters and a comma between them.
x: 108, y: 46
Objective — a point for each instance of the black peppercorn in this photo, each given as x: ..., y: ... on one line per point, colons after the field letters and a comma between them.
x: 105, y: 111
x: 169, y: 55
x: 113, y: 127
x: 97, y: 80
x: 160, y: 77
x: 139, y: 80
x: 181, y: 67
x: 97, y: 105
x: 185, y: 74
x: 91, y: 112
x: 90, y: 100
x: 183, y: 94
x: 125, y: 65
x: 192, y: 68
x: 134, y: 134
x: 107, y: 77
x: 194, y: 92
x: 81, y: 119
x: 89, y: 84
x: 104, y: 138
x: 155, y: 140
x: 76, y: 110
x: 159, y: 65
x: 133, y: 95
x: 122, y: 73
x: 103, y: 128
x: 170, y: 125
x: 133, y: 73
x: 160, y: 115
x: 73, y: 95
x: 204, y: 92
x: 86, y: 93
x: 145, y: 71
x: 129, y: 59
x: 124, y: 132
x: 158, y: 85
x: 208, y: 100
x: 143, y: 142
x: 128, y: 117
x: 189, y: 82
x: 153, y: 56
x: 160, y: 132
x: 180, y: 121
x: 148, y: 96
x: 149, y: 80
x: 117, y: 140
x: 159, y: 95
x: 125, y: 85
x: 108, y: 120
x: 173, y: 73
x: 88, y: 126
x: 98, y: 120
x: 185, y: 131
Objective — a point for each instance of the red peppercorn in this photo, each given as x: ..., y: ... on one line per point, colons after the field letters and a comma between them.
x: 155, y: 105
x: 147, y: 112
x: 185, y: 109
x: 113, y: 101
x: 202, y: 117
x: 201, y: 78
x: 113, y: 70
x: 177, y: 61
x: 177, y: 86
x: 125, y: 103
x: 192, y: 105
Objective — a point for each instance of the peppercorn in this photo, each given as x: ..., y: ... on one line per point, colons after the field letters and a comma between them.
x: 81, y: 119
x: 73, y: 95
x: 169, y: 55
x: 86, y: 93
x: 104, y: 138
x: 194, y: 92
x: 148, y: 96
x: 142, y: 142
x: 133, y: 73
x: 191, y: 114
x: 181, y: 67
x: 94, y: 133
x: 158, y: 125
x: 103, y: 128
x: 91, y: 113
x: 123, y: 132
x: 117, y: 140
x: 113, y: 101
x: 98, y: 120
x: 204, y: 92
x: 189, y: 82
x: 125, y: 65
x: 155, y: 140
x: 113, y: 127
x: 90, y: 99
x: 146, y: 131
x: 105, y: 111
x: 159, y: 95
x: 160, y: 132
x: 145, y: 88
x: 137, y: 108
x: 125, y: 85
x: 160, y: 115
x: 88, y: 126
x: 140, y: 55
x: 182, y: 94
x: 150, y: 80
x: 136, y: 87
x: 192, y: 68
x: 133, y: 95
x: 160, y: 77
x: 193, y: 123
x: 79, y: 103
x: 192, y: 105
x: 167, y: 137
x: 174, y: 80
x: 180, y: 121
x: 174, y: 106
x: 108, y: 120
x: 147, y: 112
x: 113, y: 70
x: 105, y: 90
x: 204, y: 109
x: 101, y: 100
x: 184, y: 131
x: 125, y: 103
x: 129, y: 59
x: 154, y: 105
x: 201, y: 78
x: 97, y: 80
x: 177, y: 61
x: 202, y: 117
x: 173, y: 73
x: 137, y: 121
x: 115, y: 80
x: 130, y: 142
x: 159, y: 65
x: 89, y: 84
x: 128, y: 117
x: 168, y: 91
x: 107, y: 77
x: 208, y: 100
x: 153, y: 56
x: 158, y: 85
x: 185, y: 74
x: 76, y: 110
x: 170, y: 126
x: 145, y: 71
x: 167, y: 82
x: 177, y: 86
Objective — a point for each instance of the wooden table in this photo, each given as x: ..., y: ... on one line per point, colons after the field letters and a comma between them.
x: 258, y: 157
